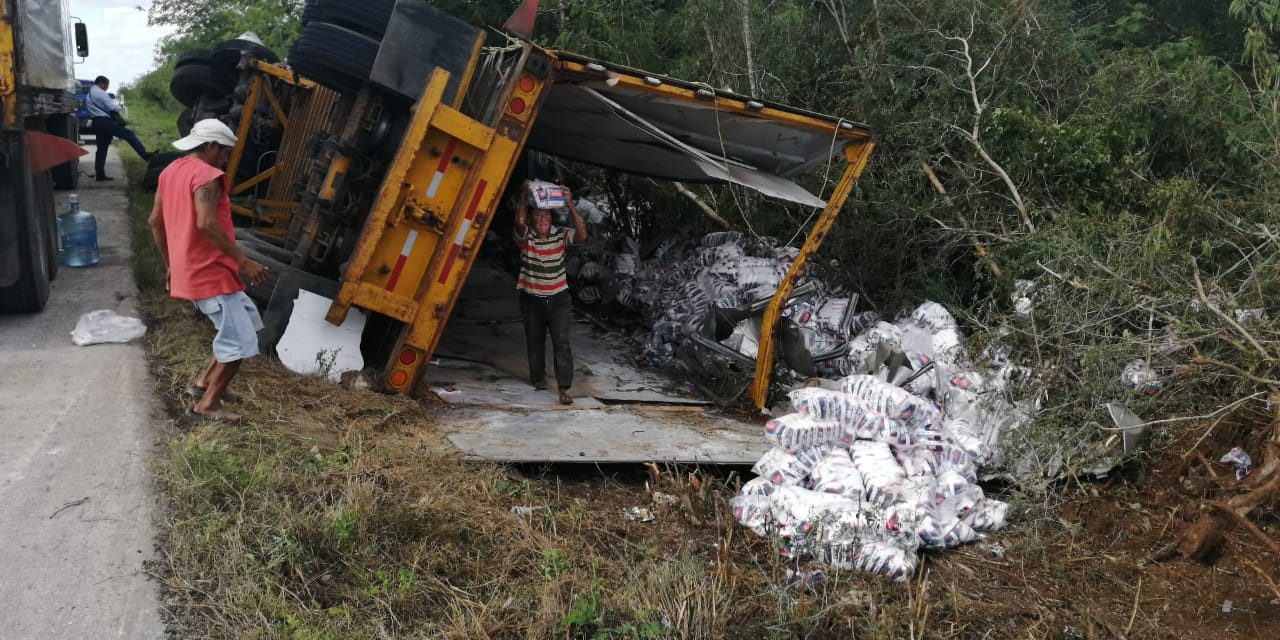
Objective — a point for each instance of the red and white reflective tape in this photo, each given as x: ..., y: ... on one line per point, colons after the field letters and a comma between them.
x: 400, y: 261
x: 463, y: 228
x: 445, y: 159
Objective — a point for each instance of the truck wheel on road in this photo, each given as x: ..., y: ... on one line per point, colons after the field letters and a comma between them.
x: 334, y: 56
x: 65, y: 176
x: 43, y: 183
x: 20, y: 202
x: 369, y: 17
x: 194, y: 80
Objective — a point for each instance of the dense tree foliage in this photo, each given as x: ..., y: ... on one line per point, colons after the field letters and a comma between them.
x: 203, y: 22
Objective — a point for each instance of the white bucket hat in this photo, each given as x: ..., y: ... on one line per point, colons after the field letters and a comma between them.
x: 209, y: 130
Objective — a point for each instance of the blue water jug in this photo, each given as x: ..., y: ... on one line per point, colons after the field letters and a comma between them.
x: 78, y: 237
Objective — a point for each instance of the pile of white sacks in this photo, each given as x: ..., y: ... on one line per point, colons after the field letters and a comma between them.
x: 866, y: 473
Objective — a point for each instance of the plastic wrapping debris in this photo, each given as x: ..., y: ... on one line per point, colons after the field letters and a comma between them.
x: 1139, y: 375
x: 1022, y: 304
x: 639, y: 514
x: 665, y: 499
x: 1249, y: 316
x: 106, y: 326
x: 1240, y: 460
x: 884, y: 558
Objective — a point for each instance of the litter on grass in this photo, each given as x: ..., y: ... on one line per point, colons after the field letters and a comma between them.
x: 106, y: 326
x: 1239, y: 460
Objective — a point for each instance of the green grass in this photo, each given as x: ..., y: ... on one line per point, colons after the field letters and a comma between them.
x: 154, y: 123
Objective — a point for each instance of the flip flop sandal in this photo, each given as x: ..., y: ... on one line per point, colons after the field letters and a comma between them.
x: 221, y: 415
x: 228, y: 396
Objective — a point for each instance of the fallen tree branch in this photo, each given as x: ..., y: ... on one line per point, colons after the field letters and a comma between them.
x: 1202, y: 360
x: 706, y: 208
x: 1244, y: 522
x: 1183, y: 418
x: 979, y: 249
x: 1225, y: 412
x: 1222, y: 314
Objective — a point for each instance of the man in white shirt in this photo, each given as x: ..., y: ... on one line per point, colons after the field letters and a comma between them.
x: 109, y: 123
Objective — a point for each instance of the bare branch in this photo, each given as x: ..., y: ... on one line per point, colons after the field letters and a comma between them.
x: 706, y: 208
x: 1222, y: 314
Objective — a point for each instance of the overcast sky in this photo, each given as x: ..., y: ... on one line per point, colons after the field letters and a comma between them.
x: 121, y: 45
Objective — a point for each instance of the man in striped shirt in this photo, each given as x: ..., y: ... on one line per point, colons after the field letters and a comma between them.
x: 544, y: 289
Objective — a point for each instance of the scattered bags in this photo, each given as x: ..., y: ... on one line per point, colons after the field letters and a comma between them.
x: 865, y: 475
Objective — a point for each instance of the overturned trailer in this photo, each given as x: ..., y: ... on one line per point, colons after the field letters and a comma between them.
x: 392, y: 142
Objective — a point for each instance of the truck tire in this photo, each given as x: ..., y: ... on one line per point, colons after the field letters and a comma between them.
x: 369, y: 17
x: 43, y: 183
x: 224, y: 61
x: 19, y: 200
x: 194, y: 80
x: 333, y: 56
x: 184, y: 123
x: 65, y: 176
x: 155, y: 166
x: 192, y: 56
x: 310, y: 13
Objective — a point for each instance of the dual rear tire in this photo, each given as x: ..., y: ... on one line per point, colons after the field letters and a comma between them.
x: 27, y: 200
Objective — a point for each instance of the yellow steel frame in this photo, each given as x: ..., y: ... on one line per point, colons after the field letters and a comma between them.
x: 433, y: 210
x: 259, y: 89
x: 242, y: 131
x: 8, y: 69
x: 722, y: 103
x: 857, y: 155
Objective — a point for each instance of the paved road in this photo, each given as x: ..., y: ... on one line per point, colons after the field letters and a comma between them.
x: 78, y: 422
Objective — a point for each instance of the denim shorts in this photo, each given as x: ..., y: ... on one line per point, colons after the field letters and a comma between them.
x: 238, y: 323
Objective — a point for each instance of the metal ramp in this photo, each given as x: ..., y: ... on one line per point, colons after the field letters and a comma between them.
x: 621, y: 413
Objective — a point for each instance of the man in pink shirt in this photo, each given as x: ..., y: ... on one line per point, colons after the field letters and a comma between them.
x: 191, y: 224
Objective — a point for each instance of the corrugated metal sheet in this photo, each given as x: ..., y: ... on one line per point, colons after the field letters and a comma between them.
x: 308, y: 115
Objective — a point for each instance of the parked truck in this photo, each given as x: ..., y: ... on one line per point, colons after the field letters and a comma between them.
x: 38, y: 127
x: 383, y: 148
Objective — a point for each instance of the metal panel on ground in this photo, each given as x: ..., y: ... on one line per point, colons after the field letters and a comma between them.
x: 604, y: 436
